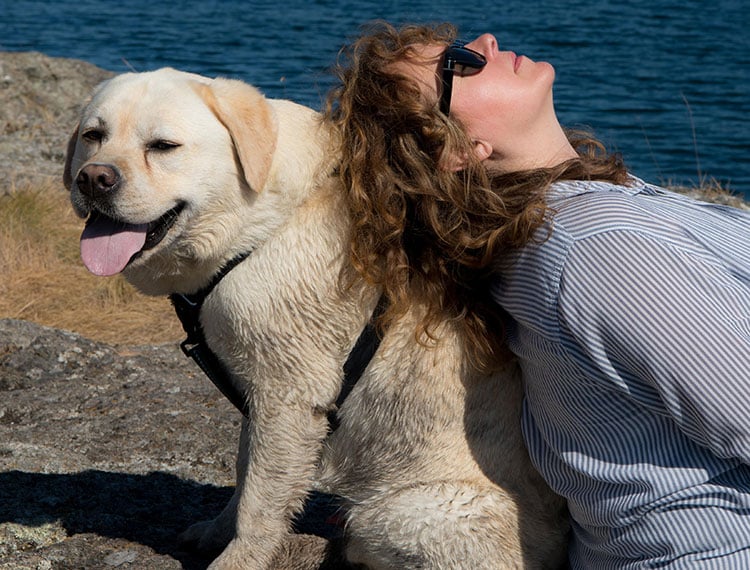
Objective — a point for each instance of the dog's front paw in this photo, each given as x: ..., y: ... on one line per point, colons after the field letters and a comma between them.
x: 208, y: 536
x: 297, y: 552
x: 239, y: 555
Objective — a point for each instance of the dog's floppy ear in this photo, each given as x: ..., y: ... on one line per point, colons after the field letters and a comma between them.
x: 67, y: 174
x: 243, y: 110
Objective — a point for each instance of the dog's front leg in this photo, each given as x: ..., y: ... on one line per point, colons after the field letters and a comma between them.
x: 214, y: 535
x: 283, y: 445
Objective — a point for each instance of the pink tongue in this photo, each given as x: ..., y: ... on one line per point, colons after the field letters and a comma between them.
x: 107, y: 246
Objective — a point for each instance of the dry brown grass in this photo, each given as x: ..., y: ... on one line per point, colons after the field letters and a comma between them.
x: 43, y: 280
x: 712, y: 190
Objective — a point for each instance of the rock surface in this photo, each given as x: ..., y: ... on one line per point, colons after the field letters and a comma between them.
x: 106, y: 454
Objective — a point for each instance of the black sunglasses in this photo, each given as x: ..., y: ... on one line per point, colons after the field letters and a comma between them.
x: 463, y: 60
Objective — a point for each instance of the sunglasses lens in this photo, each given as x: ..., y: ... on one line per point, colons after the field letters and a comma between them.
x: 468, y: 57
x: 461, y: 61
x: 459, y: 57
x: 466, y: 70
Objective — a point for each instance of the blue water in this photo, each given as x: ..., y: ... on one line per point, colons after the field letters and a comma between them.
x: 664, y: 82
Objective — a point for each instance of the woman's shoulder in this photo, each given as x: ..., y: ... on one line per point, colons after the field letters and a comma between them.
x: 583, y: 209
x: 579, y: 211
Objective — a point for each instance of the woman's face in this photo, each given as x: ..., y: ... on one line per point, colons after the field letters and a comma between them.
x: 506, y: 97
x: 507, y: 103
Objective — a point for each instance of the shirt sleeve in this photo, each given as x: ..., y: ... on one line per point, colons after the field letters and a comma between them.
x: 668, y: 321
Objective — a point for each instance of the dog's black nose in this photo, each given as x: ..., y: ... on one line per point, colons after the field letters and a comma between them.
x: 96, y: 179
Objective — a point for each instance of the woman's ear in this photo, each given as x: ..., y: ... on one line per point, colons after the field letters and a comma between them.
x: 482, y: 150
x: 454, y: 163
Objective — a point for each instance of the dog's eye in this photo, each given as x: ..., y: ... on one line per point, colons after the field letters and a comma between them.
x: 92, y: 135
x: 162, y: 145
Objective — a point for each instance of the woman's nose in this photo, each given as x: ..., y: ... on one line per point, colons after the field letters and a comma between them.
x: 486, y: 44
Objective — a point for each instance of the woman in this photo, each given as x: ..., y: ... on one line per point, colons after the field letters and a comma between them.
x: 627, y: 306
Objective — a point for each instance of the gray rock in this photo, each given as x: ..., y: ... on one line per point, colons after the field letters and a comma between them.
x: 40, y: 97
x: 106, y: 454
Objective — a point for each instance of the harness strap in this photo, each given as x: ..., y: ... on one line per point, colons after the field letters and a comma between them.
x: 364, y: 349
x: 188, y: 309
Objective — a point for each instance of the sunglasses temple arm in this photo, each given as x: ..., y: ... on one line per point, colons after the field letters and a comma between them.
x: 445, y: 97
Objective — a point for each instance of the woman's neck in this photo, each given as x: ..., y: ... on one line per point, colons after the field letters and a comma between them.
x: 547, y: 147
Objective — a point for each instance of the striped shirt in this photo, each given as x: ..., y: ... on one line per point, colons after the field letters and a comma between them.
x: 632, y: 326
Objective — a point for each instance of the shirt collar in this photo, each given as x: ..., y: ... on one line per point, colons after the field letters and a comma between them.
x: 569, y: 188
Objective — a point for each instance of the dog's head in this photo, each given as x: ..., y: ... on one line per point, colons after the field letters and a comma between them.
x: 157, y: 157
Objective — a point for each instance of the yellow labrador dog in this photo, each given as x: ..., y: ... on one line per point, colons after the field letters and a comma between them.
x: 177, y: 175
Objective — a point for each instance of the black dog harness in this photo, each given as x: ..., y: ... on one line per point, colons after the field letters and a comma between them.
x: 188, y: 308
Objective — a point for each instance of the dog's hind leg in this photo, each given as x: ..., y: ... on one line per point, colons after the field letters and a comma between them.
x: 308, y: 552
x: 435, y: 526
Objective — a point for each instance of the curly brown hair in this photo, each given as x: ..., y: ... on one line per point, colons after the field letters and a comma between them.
x: 424, y: 232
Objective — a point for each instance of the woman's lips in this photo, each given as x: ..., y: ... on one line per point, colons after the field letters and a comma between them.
x: 517, y: 60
